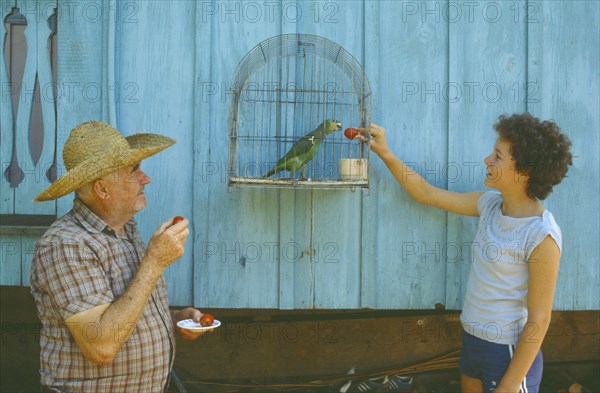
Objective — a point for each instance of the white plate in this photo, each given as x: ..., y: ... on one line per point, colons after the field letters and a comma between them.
x: 196, y: 327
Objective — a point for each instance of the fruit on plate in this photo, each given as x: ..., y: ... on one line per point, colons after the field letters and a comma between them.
x: 207, y: 320
x: 177, y: 219
x: 350, y: 133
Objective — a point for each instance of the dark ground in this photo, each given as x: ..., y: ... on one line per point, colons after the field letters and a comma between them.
x: 558, y: 378
x: 266, y: 351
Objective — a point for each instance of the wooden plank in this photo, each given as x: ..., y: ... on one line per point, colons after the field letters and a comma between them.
x: 296, y: 281
x: 202, y: 122
x: 17, y: 247
x: 284, y: 339
x: 48, y: 102
x: 292, y: 206
x: 37, y: 75
x: 487, y: 77
x: 296, y: 250
x: 151, y: 50
x: 241, y: 259
x: 368, y: 248
x: 336, y: 253
x: 409, y: 272
x: 6, y: 117
x: 400, y: 257
x: 572, y: 336
x: 24, y: 109
x: 369, y: 342
x: 238, y: 260
x: 81, y: 60
x: 563, y: 75
x: 287, y: 238
x: 335, y: 231
x: 34, y: 181
x: 383, y: 340
x: 10, y: 259
x: 365, y: 341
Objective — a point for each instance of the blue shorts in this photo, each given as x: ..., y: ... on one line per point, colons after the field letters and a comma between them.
x: 488, y: 361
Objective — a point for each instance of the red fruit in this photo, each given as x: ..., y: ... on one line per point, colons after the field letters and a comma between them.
x: 350, y: 133
x: 207, y: 320
x: 177, y: 219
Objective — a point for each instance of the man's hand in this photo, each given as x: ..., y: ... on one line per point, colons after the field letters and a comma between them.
x: 188, y: 313
x: 167, y: 243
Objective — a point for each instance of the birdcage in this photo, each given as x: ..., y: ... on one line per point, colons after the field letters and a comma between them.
x: 283, y: 90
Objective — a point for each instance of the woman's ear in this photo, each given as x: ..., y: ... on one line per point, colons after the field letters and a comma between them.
x: 522, y: 176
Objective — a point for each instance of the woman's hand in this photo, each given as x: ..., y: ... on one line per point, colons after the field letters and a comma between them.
x: 377, y: 143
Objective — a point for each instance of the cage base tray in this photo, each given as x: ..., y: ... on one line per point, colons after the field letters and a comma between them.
x: 298, y: 183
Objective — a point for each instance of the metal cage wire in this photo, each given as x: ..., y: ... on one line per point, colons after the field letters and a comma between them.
x: 284, y: 88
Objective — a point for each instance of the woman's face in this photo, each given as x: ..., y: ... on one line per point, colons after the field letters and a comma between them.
x: 500, y: 168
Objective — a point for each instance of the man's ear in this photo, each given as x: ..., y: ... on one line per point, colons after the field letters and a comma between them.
x: 100, y: 189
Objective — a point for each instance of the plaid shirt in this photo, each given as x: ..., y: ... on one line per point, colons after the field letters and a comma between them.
x: 81, y: 263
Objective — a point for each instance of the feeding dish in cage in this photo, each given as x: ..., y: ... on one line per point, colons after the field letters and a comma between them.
x: 293, y: 96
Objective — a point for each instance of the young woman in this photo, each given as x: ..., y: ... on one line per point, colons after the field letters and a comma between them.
x: 508, y: 302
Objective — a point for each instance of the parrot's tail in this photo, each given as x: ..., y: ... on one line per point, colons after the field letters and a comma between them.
x: 271, y: 172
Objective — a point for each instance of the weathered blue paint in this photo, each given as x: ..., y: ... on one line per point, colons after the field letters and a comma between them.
x: 36, y: 72
x: 439, y: 77
x: 563, y: 62
x: 6, y: 128
x: 490, y: 83
x: 10, y: 266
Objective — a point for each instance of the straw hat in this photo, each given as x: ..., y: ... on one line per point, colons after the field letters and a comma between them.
x: 95, y: 149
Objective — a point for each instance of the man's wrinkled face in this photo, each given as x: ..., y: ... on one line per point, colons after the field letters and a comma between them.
x: 126, y: 189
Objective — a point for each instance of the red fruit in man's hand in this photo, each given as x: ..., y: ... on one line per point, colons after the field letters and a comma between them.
x: 177, y: 219
x: 350, y: 133
x: 207, y: 320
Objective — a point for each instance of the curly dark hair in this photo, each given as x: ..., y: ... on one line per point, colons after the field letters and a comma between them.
x: 539, y: 149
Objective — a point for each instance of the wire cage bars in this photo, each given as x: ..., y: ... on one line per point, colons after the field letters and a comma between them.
x: 283, y: 89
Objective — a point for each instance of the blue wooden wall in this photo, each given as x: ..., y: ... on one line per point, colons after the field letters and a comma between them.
x: 441, y: 73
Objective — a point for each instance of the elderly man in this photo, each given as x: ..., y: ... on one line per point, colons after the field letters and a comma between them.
x: 100, y: 293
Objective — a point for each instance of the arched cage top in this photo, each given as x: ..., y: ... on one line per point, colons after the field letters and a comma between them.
x: 300, y: 44
x: 292, y: 97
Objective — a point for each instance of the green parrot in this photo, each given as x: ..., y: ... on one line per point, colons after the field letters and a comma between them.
x: 305, y: 149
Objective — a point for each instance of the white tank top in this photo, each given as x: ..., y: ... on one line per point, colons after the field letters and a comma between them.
x: 495, y: 305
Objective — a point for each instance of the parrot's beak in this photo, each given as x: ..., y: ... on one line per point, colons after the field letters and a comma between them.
x: 338, y: 124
